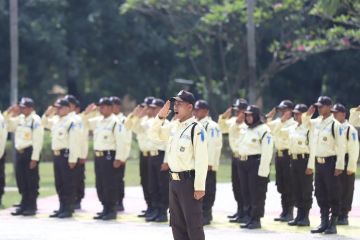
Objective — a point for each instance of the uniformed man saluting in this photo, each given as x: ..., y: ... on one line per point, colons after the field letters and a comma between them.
x: 65, y: 135
x: 347, y: 178
x: 29, y: 134
x: 111, y: 151
x: 329, y: 153
x: 212, y: 129
x: 188, y: 161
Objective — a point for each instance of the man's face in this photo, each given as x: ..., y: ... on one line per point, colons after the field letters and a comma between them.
x: 324, y: 110
x: 26, y: 110
x: 297, y: 116
x: 116, y: 109
x: 200, y: 113
x: 340, y: 116
x: 105, y: 110
x: 182, y: 109
x: 240, y: 115
x: 285, y: 110
x: 249, y: 119
x: 62, y: 111
x: 72, y: 107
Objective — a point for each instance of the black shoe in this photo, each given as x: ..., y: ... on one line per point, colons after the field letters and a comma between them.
x: 17, y: 205
x: 55, y: 214
x: 299, y: 216
x: 109, y: 216
x: 278, y: 219
x: 323, y: 225
x: 19, y: 211
x: 29, y: 212
x: 146, y: 212
x: 152, y: 216
x: 162, y: 218
x: 246, y: 225
x: 344, y: 220
x: 244, y: 219
x: 304, y: 221
x: 254, y: 224
x: 331, y: 229
x: 235, y: 220
x: 77, y: 206
x: 120, y: 207
x: 235, y: 215
x: 65, y: 214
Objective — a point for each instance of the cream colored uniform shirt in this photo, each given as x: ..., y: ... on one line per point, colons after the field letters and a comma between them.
x: 352, y: 145
x: 324, y: 144
x: 28, y: 132
x: 65, y: 134
x: 183, y: 153
x: 234, y: 129
x: 255, y: 141
x: 214, y: 137
x: 110, y: 134
x: 281, y: 141
x: 3, y: 135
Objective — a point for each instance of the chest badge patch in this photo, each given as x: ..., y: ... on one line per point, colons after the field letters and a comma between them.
x: 325, y: 139
x: 182, y: 149
x: 253, y: 140
x: 300, y: 142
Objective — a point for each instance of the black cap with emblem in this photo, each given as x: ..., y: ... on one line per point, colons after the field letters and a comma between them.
x: 285, y: 104
x: 300, y: 108
x: 323, y: 101
x: 104, y: 101
x: 184, y: 96
x: 338, y: 107
x: 240, y: 104
x: 61, y: 102
x: 26, y: 102
x: 115, y: 100
x: 71, y: 98
x: 147, y: 101
x: 255, y: 112
x: 157, y: 102
x: 201, y: 104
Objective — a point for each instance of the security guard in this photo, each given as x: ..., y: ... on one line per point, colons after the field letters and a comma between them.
x: 80, y: 166
x: 3, y: 138
x: 256, y: 149
x: 188, y: 161
x: 116, y: 104
x: 233, y: 125
x: 201, y: 112
x: 329, y: 148
x: 302, y: 176
x: 134, y: 122
x: 157, y: 172
x: 65, y: 135
x: 111, y: 152
x: 347, y: 178
x: 29, y: 134
x: 282, y: 159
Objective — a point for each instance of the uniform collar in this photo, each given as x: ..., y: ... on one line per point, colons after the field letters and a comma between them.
x: 30, y: 115
x: 327, y: 120
x: 120, y: 114
x: 188, y: 122
x: 205, y: 119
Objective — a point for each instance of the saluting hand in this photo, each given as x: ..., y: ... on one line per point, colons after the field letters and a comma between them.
x: 164, y: 112
x: 49, y: 111
x: 227, y: 113
x: 199, y: 195
x: 118, y: 163
x: 311, y: 110
x: 271, y: 114
x: 286, y: 116
x: 92, y: 107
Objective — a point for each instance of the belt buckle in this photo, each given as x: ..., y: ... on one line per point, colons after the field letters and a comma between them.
x: 145, y: 154
x: 280, y: 153
x: 236, y: 155
x: 320, y: 160
x: 21, y: 151
x: 175, y: 176
x: 56, y: 152
x: 294, y: 156
x: 243, y: 158
x: 99, y: 154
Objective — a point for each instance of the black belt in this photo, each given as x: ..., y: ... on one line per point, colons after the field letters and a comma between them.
x: 21, y: 151
x: 178, y: 176
x: 299, y: 156
x: 249, y: 157
x: 282, y: 153
x: 62, y: 152
x: 104, y: 153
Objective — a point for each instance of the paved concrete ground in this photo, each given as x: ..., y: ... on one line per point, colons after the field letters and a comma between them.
x: 129, y: 227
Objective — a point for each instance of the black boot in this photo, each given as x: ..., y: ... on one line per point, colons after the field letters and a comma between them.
x: 111, y: 214
x: 146, y: 212
x: 254, y: 224
x: 206, y: 217
x: 304, y: 221
x: 343, y: 220
x: 323, y: 225
x: 57, y: 212
x: 331, y: 229
x: 19, y: 211
x: 299, y: 216
x: 153, y: 215
x: 120, y: 206
x: 162, y: 217
x: 282, y: 215
x: 99, y: 215
x: 67, y: 212
x: 288, y: 216
x: 239, y: 217
x: 246, y: 225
